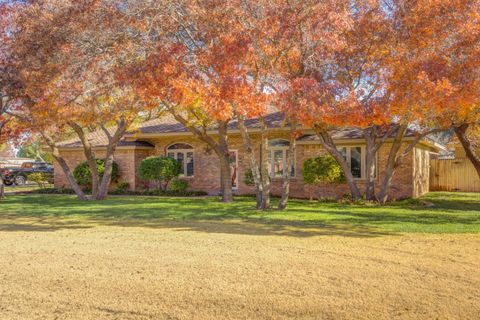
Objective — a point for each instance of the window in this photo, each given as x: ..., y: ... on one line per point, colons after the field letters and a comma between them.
x: 355, y: 157
x: 277, y: 158
x: 183, y: 153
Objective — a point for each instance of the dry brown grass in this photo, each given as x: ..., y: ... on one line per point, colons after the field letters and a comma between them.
x: 183, y: 271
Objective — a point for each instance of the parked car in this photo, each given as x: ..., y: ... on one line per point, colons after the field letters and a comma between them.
x: 19, y: 176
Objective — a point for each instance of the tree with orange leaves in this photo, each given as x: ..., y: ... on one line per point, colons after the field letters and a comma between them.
x: 196, y: 70
x: 10, y: 86
x: 68, y: 58
x: 360, y: 69
x: 448, y: 76
x: 286, y: 36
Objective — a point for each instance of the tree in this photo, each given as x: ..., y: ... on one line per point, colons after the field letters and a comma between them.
x: 286, y: 39
x: 10, y: 87
x: 469, y: 144
x: 284, y: 35
x: 449, y: 70
x: 68, y: 65
x: 34, y: 150
x: 341, y: 78
x: 361, y: 66
x: 197, y: 71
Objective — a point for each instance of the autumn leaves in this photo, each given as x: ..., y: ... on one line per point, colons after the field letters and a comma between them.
x: 379, y: 65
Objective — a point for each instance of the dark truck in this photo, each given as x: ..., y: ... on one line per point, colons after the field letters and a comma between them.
x: 19, y: 176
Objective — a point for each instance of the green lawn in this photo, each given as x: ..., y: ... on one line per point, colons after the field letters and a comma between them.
x: 25, y: 188
x: 434, y: 213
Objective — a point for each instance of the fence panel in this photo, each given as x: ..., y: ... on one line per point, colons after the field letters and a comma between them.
x: 453, y: 175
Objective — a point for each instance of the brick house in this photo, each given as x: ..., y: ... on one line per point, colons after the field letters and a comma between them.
x: 167, y: 137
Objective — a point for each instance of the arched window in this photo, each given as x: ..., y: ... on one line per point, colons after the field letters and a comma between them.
x: 183, y: 153
x: 277, y: 158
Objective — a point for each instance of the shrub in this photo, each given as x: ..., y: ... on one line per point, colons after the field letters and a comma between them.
x: 39, y: 178
x: 248, y: 179
x: 323, y: 169
x: 84, y: 177
x: 179, y: 185
x: 122, y: 187
x: 159, y: 169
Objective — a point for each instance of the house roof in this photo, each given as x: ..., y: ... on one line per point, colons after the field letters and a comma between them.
x: 164, y: 125
x: 103, y: 143
x: 168, y: 125
x: 99, y: 139
x: 348, y: 133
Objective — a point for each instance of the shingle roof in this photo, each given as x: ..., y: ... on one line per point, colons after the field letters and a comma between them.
x: 347, y: 133
x: 99, y: 144
x: 168, y: 124
x: 165, y: 124
x: 99, y: 139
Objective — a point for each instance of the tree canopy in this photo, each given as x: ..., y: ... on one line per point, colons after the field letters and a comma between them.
x: 70, y: 67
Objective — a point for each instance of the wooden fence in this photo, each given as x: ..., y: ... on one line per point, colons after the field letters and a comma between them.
x: 453, y: 175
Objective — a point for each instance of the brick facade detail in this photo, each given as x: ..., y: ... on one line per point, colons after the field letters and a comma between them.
x: 410, y: 180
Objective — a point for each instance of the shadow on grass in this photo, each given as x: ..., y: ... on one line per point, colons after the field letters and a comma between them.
x: 302, y: 219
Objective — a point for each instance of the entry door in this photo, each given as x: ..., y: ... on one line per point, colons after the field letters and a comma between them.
x: 234, y: 168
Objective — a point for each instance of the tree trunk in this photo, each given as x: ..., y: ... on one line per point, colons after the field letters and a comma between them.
x: 2, y: 187
x: 264, y: 166
x: 220, y: 148
x: 329, y: 145
x: 247, y: 143
x: 111, y: 148
x: 393, y: 162
x: 461, y: 133
x: 370, y: 164
x: 90, y: 156
x: 71, y: 179
x: 107, y: 174
x: 66, y: 169
x: 224, y: 157
x: 225, y: 180
x: 290, y: 164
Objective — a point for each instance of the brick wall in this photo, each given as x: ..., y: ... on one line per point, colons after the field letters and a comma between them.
x: 401, y: 186
x: 127, y: 160
x: 207, y: 174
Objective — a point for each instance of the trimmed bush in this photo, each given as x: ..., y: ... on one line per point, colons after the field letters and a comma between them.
x: 162, y: 170
x: 83, y: 174
x: 323, y: 169
x: 179, y: 185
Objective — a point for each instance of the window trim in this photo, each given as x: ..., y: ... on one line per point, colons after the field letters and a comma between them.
x: 363, y: 154
x: 271, y: 155
x: 184, y: 151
